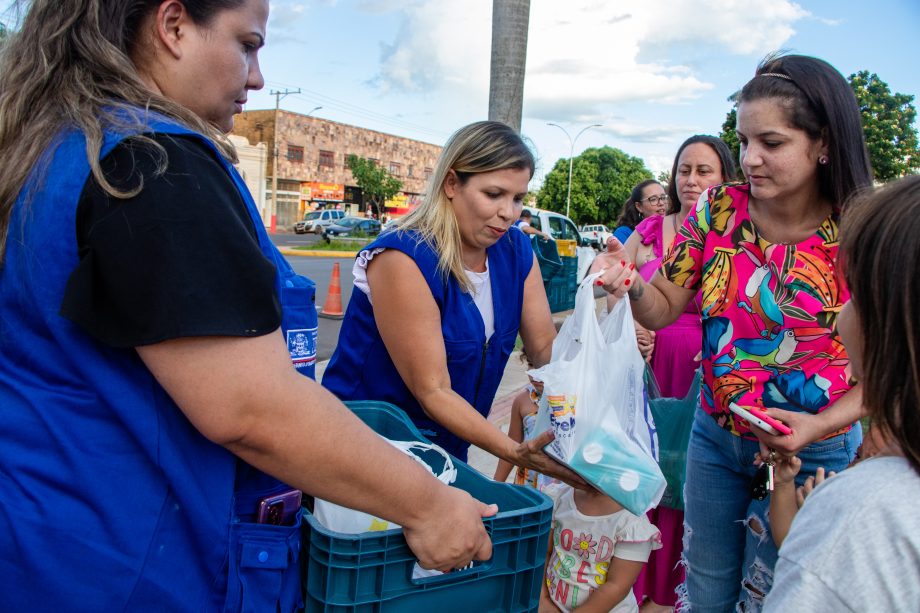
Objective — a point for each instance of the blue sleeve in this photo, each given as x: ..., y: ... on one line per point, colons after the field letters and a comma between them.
x: 622, y: 233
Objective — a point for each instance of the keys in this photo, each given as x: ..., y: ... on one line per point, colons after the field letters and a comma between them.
x: 762, y: 483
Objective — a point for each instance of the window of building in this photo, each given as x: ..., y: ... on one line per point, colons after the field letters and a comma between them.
x: 411, y: 171
x: 395, y: 168
x: 327, y: 159
x: 295, y: 153
x: 428, y: 172
x: 374, y: 161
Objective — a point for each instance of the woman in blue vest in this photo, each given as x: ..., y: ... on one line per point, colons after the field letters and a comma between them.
x: 153, y: 342
x: 442, y: 299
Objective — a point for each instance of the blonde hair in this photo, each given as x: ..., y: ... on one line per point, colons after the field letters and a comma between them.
x: 484, y: 146
x: 69, y: 67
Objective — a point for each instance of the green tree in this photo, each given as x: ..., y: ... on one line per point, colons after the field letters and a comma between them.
x: 728, y: 133
x: 376, y: 183
x: 602, y: 179
x: 888, y: 125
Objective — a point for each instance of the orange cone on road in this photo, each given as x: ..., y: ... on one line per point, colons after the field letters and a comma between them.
x: 332, y: 308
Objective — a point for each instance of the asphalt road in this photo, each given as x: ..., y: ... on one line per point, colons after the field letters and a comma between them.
x: 319, y: 270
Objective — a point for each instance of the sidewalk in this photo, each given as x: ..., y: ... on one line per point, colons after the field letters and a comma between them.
x: 513, y: 381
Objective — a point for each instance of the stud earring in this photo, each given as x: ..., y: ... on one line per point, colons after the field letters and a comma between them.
x: 823, y: 160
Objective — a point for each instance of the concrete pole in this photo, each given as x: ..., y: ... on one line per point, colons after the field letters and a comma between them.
x: 510, y: 24
x: 273, y: 224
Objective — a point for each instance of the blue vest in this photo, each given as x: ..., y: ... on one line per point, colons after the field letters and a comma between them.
x: 110, y: 500
x: 361, y: 368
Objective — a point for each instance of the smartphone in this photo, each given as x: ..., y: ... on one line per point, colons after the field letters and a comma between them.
x: 279, y: 509
x: 760, y: 419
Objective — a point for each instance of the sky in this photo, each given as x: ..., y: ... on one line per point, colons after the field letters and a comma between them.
x: 651, y: 72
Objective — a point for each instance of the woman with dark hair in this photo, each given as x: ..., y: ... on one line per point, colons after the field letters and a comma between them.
x: 646, y: 199
x: 153, y: 343
x: 701, y: 162
x: 763, y: 254
x: 868, y: 557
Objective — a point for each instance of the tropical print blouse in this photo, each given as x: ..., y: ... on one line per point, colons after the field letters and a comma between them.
x: 769, y: 310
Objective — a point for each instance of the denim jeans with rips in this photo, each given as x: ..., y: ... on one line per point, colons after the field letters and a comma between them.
x: 729, y: 551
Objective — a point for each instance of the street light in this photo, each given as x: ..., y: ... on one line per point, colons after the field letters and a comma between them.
x: 568, y: 194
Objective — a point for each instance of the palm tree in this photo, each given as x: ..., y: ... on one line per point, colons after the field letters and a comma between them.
x: 510, y: 23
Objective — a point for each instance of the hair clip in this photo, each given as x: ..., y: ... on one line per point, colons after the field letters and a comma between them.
x: 776, y: 74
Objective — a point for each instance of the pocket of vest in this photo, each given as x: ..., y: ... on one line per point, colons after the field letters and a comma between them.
x: 299, y: 322
x: 264, y: 568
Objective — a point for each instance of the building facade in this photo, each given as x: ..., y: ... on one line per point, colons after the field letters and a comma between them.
x: 251, y: 166
x: 312, y: 168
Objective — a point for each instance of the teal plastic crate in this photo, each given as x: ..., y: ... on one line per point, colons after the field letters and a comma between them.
x: 547, y: 257
x: 372, y: 572
x: 561, y: 294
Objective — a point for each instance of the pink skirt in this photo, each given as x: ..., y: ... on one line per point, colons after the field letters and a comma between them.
x: 662, y: 574
x: 674, y: 368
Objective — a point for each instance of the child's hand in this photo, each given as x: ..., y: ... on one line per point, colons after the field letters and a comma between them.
x: 802, y: 492
x: 646, y: 341
x: 785, y: 468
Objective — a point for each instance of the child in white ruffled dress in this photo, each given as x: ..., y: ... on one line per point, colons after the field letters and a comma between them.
x: 596, y: 551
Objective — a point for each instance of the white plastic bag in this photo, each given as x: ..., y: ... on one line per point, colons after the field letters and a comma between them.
x: 594, y: 401
x: 350, y: 521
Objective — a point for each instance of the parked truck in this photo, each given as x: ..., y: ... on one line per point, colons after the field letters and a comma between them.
x: 595, y: 235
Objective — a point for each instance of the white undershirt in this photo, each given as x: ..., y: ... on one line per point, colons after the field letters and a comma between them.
x: 482, y: 288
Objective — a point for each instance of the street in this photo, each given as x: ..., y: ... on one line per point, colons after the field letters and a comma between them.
x: 319, y: 270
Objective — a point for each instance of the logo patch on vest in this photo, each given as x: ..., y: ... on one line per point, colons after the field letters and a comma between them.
x: 302, y: 346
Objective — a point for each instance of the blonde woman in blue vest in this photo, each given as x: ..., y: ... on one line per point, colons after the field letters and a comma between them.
x: 148, y: 399
x: 442, y: 299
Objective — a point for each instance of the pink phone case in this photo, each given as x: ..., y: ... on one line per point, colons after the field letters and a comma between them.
x: 777, y: 424
x: 760, y: 419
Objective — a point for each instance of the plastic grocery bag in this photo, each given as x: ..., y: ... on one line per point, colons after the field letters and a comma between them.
x: 594, y: 401
x: 674, y: 417
x: 350, y: 521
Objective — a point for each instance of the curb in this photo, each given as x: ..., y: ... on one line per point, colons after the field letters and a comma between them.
x: 315, y: 253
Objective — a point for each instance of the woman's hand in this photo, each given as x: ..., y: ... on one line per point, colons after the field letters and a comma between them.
x: 619, y: 271
x: 451, y: 534
x: 530, y: 454
x: 806, y: 429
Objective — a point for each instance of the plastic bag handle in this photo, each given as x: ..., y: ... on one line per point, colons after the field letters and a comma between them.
x: 447, y: 475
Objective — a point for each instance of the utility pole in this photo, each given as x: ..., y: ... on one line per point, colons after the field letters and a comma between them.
x: 278, y: 96
x: 510, y: 24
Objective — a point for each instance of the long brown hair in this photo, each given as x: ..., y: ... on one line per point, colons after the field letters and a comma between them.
x: 69, y: 66
x: 880, y: 255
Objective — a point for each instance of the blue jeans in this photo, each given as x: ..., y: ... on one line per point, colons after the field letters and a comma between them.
x: 728, y: 549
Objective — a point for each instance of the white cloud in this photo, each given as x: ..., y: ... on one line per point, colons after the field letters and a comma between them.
x: 285, y: 21
x: 584, y: 56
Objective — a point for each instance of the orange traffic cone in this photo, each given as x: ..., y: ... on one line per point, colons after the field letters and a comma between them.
x: 332, y: 308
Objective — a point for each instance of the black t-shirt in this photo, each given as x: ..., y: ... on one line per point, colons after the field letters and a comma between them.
x: 179, y: 259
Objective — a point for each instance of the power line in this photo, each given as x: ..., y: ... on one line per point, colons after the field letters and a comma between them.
x: 359, y: 111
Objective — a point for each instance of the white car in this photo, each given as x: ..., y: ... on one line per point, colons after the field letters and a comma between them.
x: 596, y: 235
x: 317, y: 221
x: 561, y: 227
